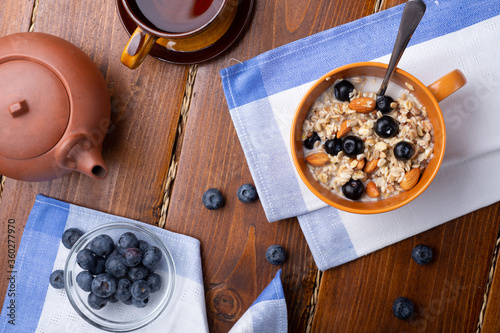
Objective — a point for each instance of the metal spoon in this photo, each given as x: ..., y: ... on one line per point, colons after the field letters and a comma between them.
x: 412, y: 14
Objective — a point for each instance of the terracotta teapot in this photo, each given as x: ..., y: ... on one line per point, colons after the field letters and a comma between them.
x: 54, y: 109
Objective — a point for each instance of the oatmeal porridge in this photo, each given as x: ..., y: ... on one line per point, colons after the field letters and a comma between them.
x: 364, y: 148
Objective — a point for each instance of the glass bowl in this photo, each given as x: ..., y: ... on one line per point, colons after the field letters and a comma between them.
x: 119, y: 317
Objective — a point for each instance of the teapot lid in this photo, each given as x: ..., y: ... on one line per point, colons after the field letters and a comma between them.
x: 34, y: 108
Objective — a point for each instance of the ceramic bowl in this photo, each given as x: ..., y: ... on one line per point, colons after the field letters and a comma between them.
x: 119, y: 317
x: 429, y: 96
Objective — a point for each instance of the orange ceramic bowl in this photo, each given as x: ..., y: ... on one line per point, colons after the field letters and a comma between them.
x: 429, y: 96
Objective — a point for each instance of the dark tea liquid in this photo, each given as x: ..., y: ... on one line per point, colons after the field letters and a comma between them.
x: 176, y: 15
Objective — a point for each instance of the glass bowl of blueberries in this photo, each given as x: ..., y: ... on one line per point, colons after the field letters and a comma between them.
x: 119, y: 276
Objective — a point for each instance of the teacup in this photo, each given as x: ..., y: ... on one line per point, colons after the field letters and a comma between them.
x: 429, y: 96
x: 178, y: 25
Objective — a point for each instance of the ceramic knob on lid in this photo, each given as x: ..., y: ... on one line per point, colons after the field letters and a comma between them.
x: 54, y: 109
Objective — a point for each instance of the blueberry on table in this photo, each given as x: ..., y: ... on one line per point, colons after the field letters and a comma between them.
x: 123, y: 292
x: 422, y: 254
x: 132, y: 257
x: 352, y: 146
x: 116, y: 267
x: 57, y: 279
x: 333, y: 146
x: 276, y: 254
x: 353, y: 189
x: 112, y: 299
x: 386, y: 127
x: 311, y: 140
x: 86, y: 259
x: 403, y: 150
x: 100, y: 266
x: 84, y: 280
x: 140, y: 290
x: 127, y: 301
x: 342, y: 90
x: 154, y: 281
x: 138, y: 272
x: 127, y: 240
x: 403, y: 308
x: 102, y: 245
x: 96, y: 302
x: 247, y: 193
x: 212, y: 199
x: 140, y: 303
x: 104, y: 285
x: 70, y: 236
x: 152, y: 258
x: 384, y: 104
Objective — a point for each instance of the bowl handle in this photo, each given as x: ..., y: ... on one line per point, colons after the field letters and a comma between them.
x: 447, y: 85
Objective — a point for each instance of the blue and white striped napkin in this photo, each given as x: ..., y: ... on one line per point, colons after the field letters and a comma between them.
x: 263, y: 93
x: 41, y: 308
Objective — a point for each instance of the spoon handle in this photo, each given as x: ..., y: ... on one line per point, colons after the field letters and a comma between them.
x: 412, y: 14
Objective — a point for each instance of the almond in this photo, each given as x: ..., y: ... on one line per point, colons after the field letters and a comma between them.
x: 372, y: 190
x: 361, y: 164
x: 344, y: 129
x: 317, y: 159
x: 371, y: 166
x: 363, y: 104
x: 410, y: 179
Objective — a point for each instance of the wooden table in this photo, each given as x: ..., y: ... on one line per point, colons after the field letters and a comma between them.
x: 173, y: 138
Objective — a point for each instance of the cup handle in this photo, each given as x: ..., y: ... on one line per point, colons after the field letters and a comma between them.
x: 137, y: 48
x: 447, y: 85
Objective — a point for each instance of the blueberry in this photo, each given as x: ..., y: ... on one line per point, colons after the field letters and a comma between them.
x: 132, y: 257
x: 70, y: 236
x: 100, y: 266
x: 112, y: 299
x: 333, y: 146
x: 122, y: 292
x: 140, y: 289
x: 116, y: 267
x: 353, y: 189
x: 104, y: 285
x: 386, y: 127
x: 402, y: 308
x: 352, y: 146
x: 86, y: 259
x: 152, y: 258
x: 114, y: 253
x: 311, y: 140
x: 403, y: 150
x: 342, y: 90
x: 96, y: 302
x: 138, y: 272
x: 127, y: 301
x: 140, y: 303
x: 276, y: 254
x: 422, y: 254
x: 127, y: 240
x: 247, y: 193
x: 57, y: 279
x: 84, y: 280
x: 384, y: 104
x: 143, y: 245
x: 102, y: 245
x: 213, y: 199
x: 154, y: 281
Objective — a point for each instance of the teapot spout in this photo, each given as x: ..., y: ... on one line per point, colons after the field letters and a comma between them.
x: 90, y: 163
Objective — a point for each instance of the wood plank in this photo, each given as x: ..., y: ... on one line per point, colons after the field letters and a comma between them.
x: 447, y: 293
x: 145, y: 112
x: 235, y: 238
x: 15, y: 16
x: 490, y: 321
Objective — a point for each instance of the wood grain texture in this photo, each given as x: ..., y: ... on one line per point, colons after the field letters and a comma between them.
x: 145, y: 112
x: 447, y: 293
x: 15, y: 16
x: 235, y: 238
x: 490, y: 322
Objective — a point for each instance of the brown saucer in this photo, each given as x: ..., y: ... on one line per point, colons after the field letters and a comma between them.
x: 243, y: 15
